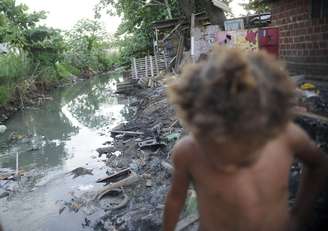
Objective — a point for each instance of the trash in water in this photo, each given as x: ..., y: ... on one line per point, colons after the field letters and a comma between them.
x: 80, y: 171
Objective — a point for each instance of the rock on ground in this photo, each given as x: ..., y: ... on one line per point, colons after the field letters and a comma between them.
x: 3, y: 128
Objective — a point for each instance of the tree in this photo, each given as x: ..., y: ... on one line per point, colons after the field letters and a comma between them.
x: 44, y: 45
x: 256, y: 6
x: 15, y: 21
x: 87, y: 43
x: 135, y: 33
x: 19, y: 29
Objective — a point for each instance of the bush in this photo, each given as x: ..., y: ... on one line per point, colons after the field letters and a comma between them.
x: 13, y: 67
x: 87, y: 46
x: 4, y: 95
x: 62, y: 71
x: 47, y: 75
x: 45, y: 45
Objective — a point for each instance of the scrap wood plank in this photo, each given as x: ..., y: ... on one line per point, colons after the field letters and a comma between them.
x: 172, y: 32
x: 167, y: 166
x: 114, y: 177
x: 298, y: 78
x: 186, y: 222
x: 132, y: 179
x: 311, y: 115
x: 127, y: 132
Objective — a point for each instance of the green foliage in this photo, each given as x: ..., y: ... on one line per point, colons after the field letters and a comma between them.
x: 134, y: 35
x: 256, y: 6
x: 13, y: 67
x: 47, y: 75
x: 45, y: 45
x: 43, y: 54
x: 62, y: 71
x: 130, y: 46
x: 66, y: 70
x: 18, y: 28
x: 4, y: 95
x: 15, y: 21
x: 87, y: 46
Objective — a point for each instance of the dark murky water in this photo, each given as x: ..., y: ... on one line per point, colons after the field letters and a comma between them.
x: 51, y: 140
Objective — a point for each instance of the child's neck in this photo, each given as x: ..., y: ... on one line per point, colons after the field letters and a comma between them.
x: 229, y: 156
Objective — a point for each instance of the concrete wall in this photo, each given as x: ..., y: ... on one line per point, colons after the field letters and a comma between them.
x: 303, y: 39
x: 203, y: 39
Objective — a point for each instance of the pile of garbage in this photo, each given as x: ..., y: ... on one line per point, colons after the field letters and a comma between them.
x: 141, y: 169
x: 139, y: 166
x: 315, y: 101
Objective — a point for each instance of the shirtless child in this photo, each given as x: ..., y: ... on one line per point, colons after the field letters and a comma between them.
x: 242, y: 144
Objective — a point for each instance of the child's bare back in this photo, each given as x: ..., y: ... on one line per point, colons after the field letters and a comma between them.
x: 240, y: 173
x: 247, y: 195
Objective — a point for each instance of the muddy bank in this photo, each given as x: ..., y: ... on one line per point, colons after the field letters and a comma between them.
x: 30, y: 94
x: 33, y: 93
x: 147, y: 154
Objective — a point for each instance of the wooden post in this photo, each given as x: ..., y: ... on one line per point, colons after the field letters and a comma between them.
x: 151, y: 66
x: 156, y: 64
x: 179, y: 52
x: 146, y: 67
x: 155, y: 43
x: 192, y: 37
x: 135, y: 68
x: 165, y: 60
x: 17, y: 165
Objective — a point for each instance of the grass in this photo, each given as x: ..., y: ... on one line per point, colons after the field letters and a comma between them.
x: 4, y: 95
x: 14, y: 67
x: 65, y: 70
x: 17, y: 69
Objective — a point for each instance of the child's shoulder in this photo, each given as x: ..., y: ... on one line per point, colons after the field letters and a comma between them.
x: 295, y: 136
x: 184, y: 150
x: 185, y: 144
x: 295, y: 132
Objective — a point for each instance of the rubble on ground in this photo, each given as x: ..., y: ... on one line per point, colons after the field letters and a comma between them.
x: 145, y: 144
x: 139, y: 167
x: 80, y: 171
x: 318, y: 131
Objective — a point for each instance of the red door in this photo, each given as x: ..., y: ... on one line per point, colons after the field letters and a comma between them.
x: 269, y: 40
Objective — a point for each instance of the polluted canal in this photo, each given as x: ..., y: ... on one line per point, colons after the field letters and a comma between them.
x: 49, y: 142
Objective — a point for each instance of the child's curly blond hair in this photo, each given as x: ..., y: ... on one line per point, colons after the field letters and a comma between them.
x: 234, y: 95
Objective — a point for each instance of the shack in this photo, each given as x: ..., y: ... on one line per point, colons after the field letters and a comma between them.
x: 303, y: 26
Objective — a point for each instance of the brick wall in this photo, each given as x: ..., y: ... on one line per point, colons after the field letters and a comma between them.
x: 303, y: 40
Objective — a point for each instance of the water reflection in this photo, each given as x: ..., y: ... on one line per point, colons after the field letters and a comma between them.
x: 64, y: 129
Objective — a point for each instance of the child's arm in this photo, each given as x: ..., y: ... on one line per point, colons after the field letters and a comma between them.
x: 176, y: 197
x: 314, y: 173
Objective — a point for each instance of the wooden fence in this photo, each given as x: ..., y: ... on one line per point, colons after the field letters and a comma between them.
x: 148, y: 66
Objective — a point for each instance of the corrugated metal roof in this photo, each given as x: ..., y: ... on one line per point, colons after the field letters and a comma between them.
x: 221, y: 5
